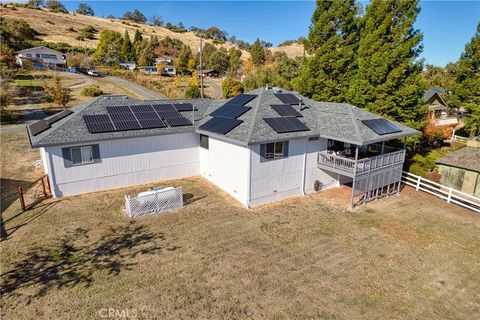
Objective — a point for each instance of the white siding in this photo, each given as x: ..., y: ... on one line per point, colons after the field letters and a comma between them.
x: 313, y: 173
x: 128, y: 162
x: 226, y: 165
x: 44, y: 160
x: 277, y: 179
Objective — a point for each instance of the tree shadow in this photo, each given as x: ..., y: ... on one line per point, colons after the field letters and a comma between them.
x: 189, y: 198
x: 75, y: 260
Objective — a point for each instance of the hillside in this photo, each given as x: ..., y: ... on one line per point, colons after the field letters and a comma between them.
x: 53, y: 27
x: 292, y: 50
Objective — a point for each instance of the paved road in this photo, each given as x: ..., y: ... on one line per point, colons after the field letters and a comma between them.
x: 137, y: 89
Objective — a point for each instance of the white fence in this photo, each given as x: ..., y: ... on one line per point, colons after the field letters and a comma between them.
x: 446, y: 193
x: 459, y: 138
x: 154, y: 202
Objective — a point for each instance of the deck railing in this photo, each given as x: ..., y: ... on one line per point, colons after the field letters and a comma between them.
x: 350, y: 166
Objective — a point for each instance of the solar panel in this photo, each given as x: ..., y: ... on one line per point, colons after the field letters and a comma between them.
x: 381, y: 126
x: 230, y: 111
x: 122, y: 117
x: 127, y: 125
x: 184, y: 107
x: 220, y: 125
x: 38, y: 127
x: 118, y: 109
x: 286, y: 110
x: 287, y: 98
x: 178, y: 122
x: 97, y: 123
x: 164, y: 107
x: 241, y: 99
x: 152, y: 123
x: 169, y: 114
x: 58, y: 116
x: 286, y: 124
x: 147, y: 115
x: 142, y: 108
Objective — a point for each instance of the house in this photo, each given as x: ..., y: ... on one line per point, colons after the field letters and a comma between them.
x: 211, y: 73
x: 461, y: 169
x: 438, y: 111
x: 169, y: 71
x: 164, y: 59
x: 259, y: 147
x: 128, y: 65
x: 42, y: 58
x: 148, y: 69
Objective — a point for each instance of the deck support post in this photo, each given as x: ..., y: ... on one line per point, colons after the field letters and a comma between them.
x: 354, y: 178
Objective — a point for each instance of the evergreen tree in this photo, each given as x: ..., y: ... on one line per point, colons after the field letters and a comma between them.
x: 109, y: 47
x: 466, y: 91
x: 388, y: 81
x: 183, y: 59
x: 234, y: 61
x: 332, y: 42
x: 127, y: 48
x: 258, y: 53
x: 85, y: 9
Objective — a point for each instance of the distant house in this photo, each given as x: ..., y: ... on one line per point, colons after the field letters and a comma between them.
x: 169, y: 71
x: 128, y: 65
x: 148, y: 69
x: 259, y: 147
x: 212, y: 73
x: 164, y: 60
x: 42, y: 58
x: 461, y: 169
x: 438, y: 111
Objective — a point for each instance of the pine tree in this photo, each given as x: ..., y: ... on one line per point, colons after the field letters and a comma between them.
x: 183, y: 59
x: 388, y: 81
x: 127, y: 48
x: 332, y: 42
x: 466, y: 91
x: 258, y: 53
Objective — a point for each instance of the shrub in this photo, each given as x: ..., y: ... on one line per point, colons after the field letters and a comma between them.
x: 417, y: 169
x: 193, y: 91
x: 92, y: 91
x: 71, y: 29
x: 231, y: 88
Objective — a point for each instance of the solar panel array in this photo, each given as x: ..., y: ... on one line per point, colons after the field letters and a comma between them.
x: 286, y: 110
x: 286, y: 124
x: 42, y: 125
x: 58, y: 116
x: 220, y: 125
x: 225, y: 118
x: 126, y: 118
x: 381, y: 126
x: 287, y: 98
x: 184, y: 107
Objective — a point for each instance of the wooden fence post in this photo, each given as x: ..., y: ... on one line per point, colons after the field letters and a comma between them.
x: 43, y: 188
x: 22, y: 200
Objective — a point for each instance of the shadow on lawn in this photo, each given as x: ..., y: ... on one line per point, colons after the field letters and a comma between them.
x: 70, y: 264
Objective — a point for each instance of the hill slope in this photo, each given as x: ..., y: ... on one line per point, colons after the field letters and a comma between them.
x: 53, y: 27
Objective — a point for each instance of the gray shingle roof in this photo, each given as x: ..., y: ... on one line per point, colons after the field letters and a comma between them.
x: 429, y: 93
x: 339, y: 121
x: 465, y: 158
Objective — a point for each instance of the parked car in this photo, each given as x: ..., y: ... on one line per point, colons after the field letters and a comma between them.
x: 93, y: 73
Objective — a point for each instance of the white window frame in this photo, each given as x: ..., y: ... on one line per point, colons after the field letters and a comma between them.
x: 275, y: 155
x: 86, y: 154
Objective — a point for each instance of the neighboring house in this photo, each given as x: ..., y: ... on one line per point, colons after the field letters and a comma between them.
x: 42, y: 58
x: 168, y: 60
x: 212, y: 73
x: 438, y: 111
x: 258, y: 147
x: 461, y: 169
x: 128, y: 65
x: 169, y: 71
x: 148, y: 69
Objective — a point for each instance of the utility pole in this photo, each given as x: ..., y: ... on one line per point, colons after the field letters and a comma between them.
x: 201, y: 65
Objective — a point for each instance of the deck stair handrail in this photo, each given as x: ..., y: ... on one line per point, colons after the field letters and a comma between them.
x: 363, y: 165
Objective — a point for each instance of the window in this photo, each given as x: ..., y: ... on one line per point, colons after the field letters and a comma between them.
x: 38, y: 55
x: 82, y: 155
x: 48, y: 56
x: 29, y: 55
x: 274, y: 150
x: 204, y: 141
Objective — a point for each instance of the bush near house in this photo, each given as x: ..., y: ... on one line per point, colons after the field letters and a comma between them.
x: 92, y: 91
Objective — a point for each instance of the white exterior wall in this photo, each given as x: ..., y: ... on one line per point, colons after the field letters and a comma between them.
x: 43, y: 156
x: 35, y: 51
x: 127, y: 162
x: 226, y: 165
x: 313, y: 173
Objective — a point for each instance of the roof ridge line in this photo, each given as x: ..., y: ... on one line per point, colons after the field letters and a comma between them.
x: 355, y: 124
x: 252, y: 126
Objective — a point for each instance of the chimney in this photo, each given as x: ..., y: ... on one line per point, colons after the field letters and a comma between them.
x: 300, y: 105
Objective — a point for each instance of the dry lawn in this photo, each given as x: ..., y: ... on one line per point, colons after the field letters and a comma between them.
x: 406, y: 257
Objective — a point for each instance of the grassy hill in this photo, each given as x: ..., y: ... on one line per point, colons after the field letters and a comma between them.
x: 54, y: 27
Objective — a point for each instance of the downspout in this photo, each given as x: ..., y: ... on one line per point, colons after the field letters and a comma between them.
x: 304, y: 167
x: 354, y: 178
x: 249, y: 183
